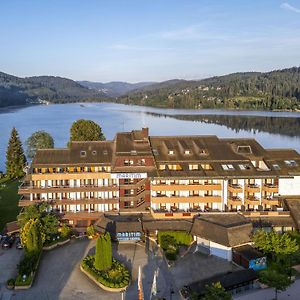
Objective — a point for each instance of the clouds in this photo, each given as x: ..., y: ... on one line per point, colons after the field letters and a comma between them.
x: 289, y: 7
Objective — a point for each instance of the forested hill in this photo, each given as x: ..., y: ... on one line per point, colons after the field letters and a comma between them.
x: 19, y: 91
x: 276, y: 90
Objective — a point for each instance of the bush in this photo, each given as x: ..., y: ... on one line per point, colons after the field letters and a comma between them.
x: 65, y: 231
x: 120, y: 280
x: 10, y: 282
x: 28, y: 264
x: 170, y: 254
x: 90, y: 231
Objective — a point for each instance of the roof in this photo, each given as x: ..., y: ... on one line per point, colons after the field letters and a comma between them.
x: 276, y: 221
x: 229, y: 230
x: 119, y: 223
x: 248, y: 252
x: 79, y: 153
x: 228, y: 281
x: 293, y: 205
x: 150, y: 224
x: 11, y: 227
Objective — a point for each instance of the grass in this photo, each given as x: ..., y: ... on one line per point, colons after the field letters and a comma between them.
x: 9, y: 199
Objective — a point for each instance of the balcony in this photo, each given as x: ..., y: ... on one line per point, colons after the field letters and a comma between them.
x: 27, y: 188
x: 269, y: 187
x: 186, y: 187
x: 234, y: 200
x: 270, y: 201
x: 252, y: 200
x: 235, y: 188
x: 188, y: 199
x: 174, y: 214
x: 252, y: 188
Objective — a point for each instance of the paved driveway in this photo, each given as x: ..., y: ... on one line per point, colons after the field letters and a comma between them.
x: 59, y: 276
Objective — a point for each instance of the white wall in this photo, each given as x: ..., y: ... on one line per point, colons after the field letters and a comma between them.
x: 289, y: 186
x: 215, y: 248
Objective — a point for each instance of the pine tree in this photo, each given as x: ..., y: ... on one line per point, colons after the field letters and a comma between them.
x: 103, y: 255
x: 15, y: 158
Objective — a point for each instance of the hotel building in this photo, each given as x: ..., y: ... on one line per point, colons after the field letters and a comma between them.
x: 167, y: 178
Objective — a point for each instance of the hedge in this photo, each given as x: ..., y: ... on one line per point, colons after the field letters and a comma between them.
x: 181, y: 237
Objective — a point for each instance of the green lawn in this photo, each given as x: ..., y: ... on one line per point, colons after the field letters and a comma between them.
x: 8, y: 202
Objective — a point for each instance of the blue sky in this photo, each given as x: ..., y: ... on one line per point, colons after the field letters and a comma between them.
x: 142, y: 40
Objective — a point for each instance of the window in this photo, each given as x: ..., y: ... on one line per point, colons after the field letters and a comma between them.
x: 244, y: 167
x: 133, y: 152
x: 94, y: 152
x: 291, y: 163
x: 128, y: 162
x: 206, y: 167
x: 171, y: 152
x: 186, y: 152
x: 162, y: 167
x: 141, y: 162
x: 276, y: 167
x: 174, y: 167
x: 155, y: 152
x: 105, y: 152
x: 244, y: 149
x: 193, y: 167
x: 228, y: 167
x: 82, y: 153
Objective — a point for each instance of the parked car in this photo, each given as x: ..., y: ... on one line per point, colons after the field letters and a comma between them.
x: 18, y: 243
x: 8, y: 242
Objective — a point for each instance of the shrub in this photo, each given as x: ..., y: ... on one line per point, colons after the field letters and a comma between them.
x: 19, y: 280
x: 180, y: 237
x: 166, y: 241
x: 170, y: 255
x: 10, y: 282
x: 28, y: 264
x: 90, y: 231
x: 65, y: 231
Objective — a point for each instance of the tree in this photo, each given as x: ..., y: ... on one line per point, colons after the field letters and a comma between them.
x: 103, y: 255
x: 35, y: 211
x: 215, y: 291
x: 39, y: 140
x: 15, y: 158
x: 277, y: 245
x: 86, y: 130
x: 32, y: 236
x: 277, y: 280
x: 50, y: 225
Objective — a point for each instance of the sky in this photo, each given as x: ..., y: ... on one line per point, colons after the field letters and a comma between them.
x: 147, y: 40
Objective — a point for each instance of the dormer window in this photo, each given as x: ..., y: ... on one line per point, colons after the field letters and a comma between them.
x: 228, y: 167
x: 133, y: 152
x: 244, y: 167
x: 276, y: 167
x: 171, y: 152
x: 82, y: 153
x: 186, y: 152
x: 94, y: 152
x: 291, y: 163
x: 105, y: 152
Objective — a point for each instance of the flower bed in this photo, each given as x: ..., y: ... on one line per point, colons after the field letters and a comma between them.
x: 115, y: 280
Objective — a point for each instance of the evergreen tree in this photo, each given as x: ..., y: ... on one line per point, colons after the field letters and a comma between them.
x: 103, y: 255
x: 15, y: 158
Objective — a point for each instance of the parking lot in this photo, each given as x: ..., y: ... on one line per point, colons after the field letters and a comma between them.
x: 9, y: 258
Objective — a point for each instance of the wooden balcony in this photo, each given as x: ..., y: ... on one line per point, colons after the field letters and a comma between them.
x: 252, y: 201
x: 179, y: 214
x: 235, y: 201
x: 69, y: 176
x: 190, y: 199
x: 186, y: 187
x: 268, y: 201
x: 271, y: 188
x: 27, y: 189
x: 252, y: 188
x: 235, y: 188
x: 27, y: 202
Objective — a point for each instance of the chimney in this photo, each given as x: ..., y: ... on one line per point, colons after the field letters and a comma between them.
x: 145, y: 132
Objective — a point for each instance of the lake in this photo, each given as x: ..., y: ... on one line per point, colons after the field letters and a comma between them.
x: 271, y: 129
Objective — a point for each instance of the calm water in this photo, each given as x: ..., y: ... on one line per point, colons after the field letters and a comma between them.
x: 271, y: 129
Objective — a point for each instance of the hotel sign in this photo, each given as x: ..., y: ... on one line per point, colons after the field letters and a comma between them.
x: 129, y: 236
x: 128, y: 175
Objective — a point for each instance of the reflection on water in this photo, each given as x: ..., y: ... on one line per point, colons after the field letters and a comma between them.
x: 271, y: 129
x: 275, y: 125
